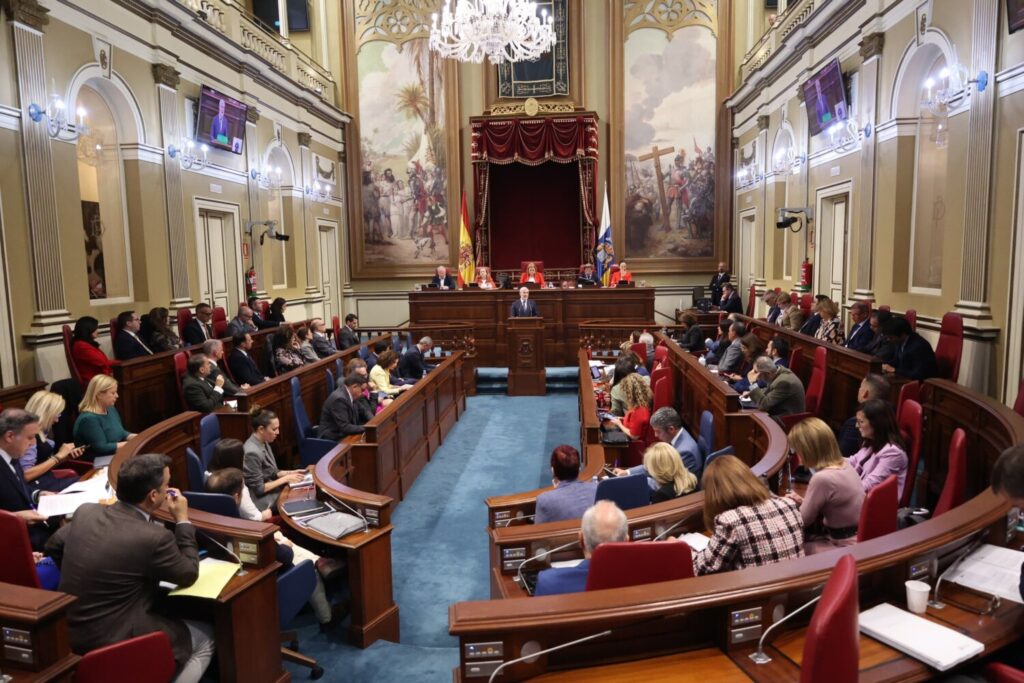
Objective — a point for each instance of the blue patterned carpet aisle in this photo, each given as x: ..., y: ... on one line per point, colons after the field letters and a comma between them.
x: 439, y: 546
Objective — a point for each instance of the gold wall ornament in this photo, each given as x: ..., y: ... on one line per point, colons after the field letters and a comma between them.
x: 520, y: 108
x: 670, y: 15
x: 393, y: 21
x: 531, y: 106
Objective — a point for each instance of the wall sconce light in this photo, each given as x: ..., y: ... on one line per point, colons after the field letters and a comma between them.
x: 953, y: 86
x: 845, y: 135
x: 748, y: 175
x: 55, y: 116
x: 318, y: 193
x: 187, y: 156
x: 270, y: 180
x: 787, y: 160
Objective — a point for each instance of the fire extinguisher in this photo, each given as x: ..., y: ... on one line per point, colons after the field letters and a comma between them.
x: 806, y: 270
x: 250, y: 281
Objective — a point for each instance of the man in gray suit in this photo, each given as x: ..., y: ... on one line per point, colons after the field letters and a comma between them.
x: 784, y: 394
x: 570, y: 497
x: 321, y: 344
x: 113, y: 558
x: 732, y: 358
x: 242, y: 322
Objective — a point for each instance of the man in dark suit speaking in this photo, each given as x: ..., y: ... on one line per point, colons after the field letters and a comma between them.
x: 524, y: 308
x: 340, y: 415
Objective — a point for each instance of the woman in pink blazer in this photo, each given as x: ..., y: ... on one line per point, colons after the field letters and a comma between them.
x: 882, y: 452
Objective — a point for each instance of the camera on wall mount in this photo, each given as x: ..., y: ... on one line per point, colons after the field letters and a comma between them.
x: 271, y: 231
x: 786, y: 217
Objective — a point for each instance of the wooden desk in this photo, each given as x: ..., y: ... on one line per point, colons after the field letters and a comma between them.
x: 562, y: 310
x: 42, y: 617
x: 526, y: 375
x: 17, y: 396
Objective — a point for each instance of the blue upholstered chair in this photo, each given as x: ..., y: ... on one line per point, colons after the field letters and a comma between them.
x: 209, y: 435
x: 330, y: 381
x: 626, y: 492
x: 196, y: 473
x: 294, y: 588
x: 214, y: 503
x: 311, y: 449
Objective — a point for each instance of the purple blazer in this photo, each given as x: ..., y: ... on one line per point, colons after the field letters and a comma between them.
x: 874, y: 468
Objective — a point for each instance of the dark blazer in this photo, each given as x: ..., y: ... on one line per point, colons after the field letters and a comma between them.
x: 243, y: 367
x: 811, y: 325
x: 732, y: 304
x: 915, y: 358
x: 850, y: 440
x: 199, y: 394
x: 881, y: 347
x: 557, y: 581
x: 236, y: 326
x: 592, y: 278
x: 449, y: 282
x: 230, y: 388
x: 193, y: 332
x: 411, y: 365
x: 113, y: 561
x: 260, y: 323
x: 693, y: 340
x: 322, y: 345
x: 366, y: 407
x: 339, y: 417
x: 127, y: 346
x: 16, y: 495
x: 860, y: 336
x: 517, y: 310
x: 773, y: 314
x: 347, y: 338
x: 717, y: 280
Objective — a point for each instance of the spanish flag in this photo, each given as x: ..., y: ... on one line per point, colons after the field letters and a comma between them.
x: 467, y: 265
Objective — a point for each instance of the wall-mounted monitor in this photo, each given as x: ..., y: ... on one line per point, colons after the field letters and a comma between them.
x: 220, y: 120
x: 825, y: 98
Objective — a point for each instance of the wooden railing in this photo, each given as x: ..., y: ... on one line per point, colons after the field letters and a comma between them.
x: 448, y: 337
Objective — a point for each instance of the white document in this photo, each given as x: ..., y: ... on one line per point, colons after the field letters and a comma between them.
x: 562, y: 564
x: 97, y: 483
x: 937, y: 646
x: 306, y: 481
x: 65, y: 503
x: 992, y: 570
x: 696, y: 541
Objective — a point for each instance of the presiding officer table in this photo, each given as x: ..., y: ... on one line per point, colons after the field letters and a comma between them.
x: 562, y: 310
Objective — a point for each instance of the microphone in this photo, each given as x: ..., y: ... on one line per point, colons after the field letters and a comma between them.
x: 760, y: 657
x: 517, y: 518
x: 366, y: 524
x: 971, y: 547
x: 211, y: 539
x: 671, y: 528
x: 542, y: 554
x: 544, y: 652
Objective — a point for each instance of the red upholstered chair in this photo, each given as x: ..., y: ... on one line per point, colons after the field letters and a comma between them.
x: 634, y: 454
x: 911, y: 316
x: 954, y: 491
x: 1018, y: 405
x: 660, y: 353
x: 1002, y: 673
x: 149, y: 658
x: 220, y: 322
x: 878, y: 513
x: 909, y: 423
x: 796, y: 361
x: 72, y: 368
x: 640, y: 349
x: 184, y: 318
x: 887, y: 309
x: 908, y: 392
x: 524, y: 264
x: 336, y: 326
x: 180, y: 366
x: 832, y: 643
x: 113, y: 329
x: 806, y: 301
x: 794, y: 298
x: 617, y: 565
x: 751, y: 301
x: 950, y: 347
x: 815, y: 391
x: 18, y: 566
x: 264, y: 308
x: 663, y: 394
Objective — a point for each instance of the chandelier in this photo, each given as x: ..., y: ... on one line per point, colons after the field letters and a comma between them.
x: 501, y: 30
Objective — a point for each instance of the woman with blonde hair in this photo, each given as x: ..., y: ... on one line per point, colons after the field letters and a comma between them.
x: 531, y: 275
x: 98, y: 427
x: 380, y: 374
x: 831, y: 328
x: 665, y: 467
x: 40, y: 456
x: 483, y: 278
x: 637, y: 396
x: 751, y: 527
x: 831, y: 505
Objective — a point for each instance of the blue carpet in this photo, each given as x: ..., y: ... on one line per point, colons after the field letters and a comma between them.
x: 439, y: 545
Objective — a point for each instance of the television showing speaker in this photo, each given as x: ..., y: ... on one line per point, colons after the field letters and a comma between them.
x: 825, y: 98
x: 220, y: 120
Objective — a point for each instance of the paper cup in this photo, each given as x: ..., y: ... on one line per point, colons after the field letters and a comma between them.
x: 917, y: 596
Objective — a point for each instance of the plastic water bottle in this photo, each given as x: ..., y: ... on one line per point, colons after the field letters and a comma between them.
x: 703, y: 361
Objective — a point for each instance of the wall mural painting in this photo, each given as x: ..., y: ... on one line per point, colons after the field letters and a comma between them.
x: 403, y: 139
x: 669, y: 91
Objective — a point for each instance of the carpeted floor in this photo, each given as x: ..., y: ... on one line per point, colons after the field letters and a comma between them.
x: 439, y: 546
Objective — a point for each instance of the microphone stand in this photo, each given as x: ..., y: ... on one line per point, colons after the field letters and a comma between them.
x: 543, y: 553
x: 508, y: 522
x: 671, y: 528
x: 562, y: 646
x: 760, y: 657
x: 993, y: 600
x: 366, y: 524
x: 241, y: 568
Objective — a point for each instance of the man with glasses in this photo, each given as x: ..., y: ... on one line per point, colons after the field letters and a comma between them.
x: 199, y: 329
x: 242, y: 322
x: 128, y: 344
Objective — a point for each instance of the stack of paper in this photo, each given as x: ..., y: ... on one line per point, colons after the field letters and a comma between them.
x: 937, y: 646
x: 696, y: 541
x: 213, y: 576
x: 92, y: 490
x: 991, y: 570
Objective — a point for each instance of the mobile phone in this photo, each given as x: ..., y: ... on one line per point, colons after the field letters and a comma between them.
x: 609, y: 470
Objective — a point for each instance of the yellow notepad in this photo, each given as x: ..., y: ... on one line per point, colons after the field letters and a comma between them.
x: 213, y: 576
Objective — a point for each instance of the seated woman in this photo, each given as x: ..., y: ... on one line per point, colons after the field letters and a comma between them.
x: 621, y: 275
x: 531, y: 275
x: 666, y: 468
x: 483, y: 278
x: 882, y: 451
x: 85, y: 350
x: 831, y: 505
x: 305, y: 339
x: 751, y: 347
x: 380, y: 375
x: 157, y: 332
x: 691, y: 337
x: 751, y: 527
x: 570, y: 497
x: 277, y: 308
x: 638, y: 399
x: 41, y: 457
x: 287, y: 354
x: 262, y: 477
x: 98, y: 427
x: 831, y: 328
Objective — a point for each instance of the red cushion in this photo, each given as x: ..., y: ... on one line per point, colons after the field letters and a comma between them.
x: 878, y: 513
x: 180, y: 366
x: 17, y: 567
x: 950, y: 347
x: 1018, y: 405
x: 524, y: 264
x: 832, y: 644
x: 616, y: 565
x: 72, y: 367
x: 1003, y: 673
x: 816, y: 386
x: 149, y: 658
x: 954, y: 491
x: 909, y: 422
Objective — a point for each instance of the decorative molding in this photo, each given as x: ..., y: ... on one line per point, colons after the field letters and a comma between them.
x: 762, y: 122
x: 252, y: 115
x: 669, y: 16
x: 10, y: 118
x: 871, y: 45
x: 800, y: 93
x: 895, y: 128
x: 393, y: 21
x: 166, y: 75
x: 104, y: 55
x: 145, y: 153
x: 542, y: 108
x: 28, y: 12
x: 304, y: 139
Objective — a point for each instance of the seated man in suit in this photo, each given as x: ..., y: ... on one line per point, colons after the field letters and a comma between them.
x: 369, y: 401
x: 411, y: 365
x: 442, y: 280
x: 871, y: 387
x: 200, y: 394
x: 214, y: 350
x: 588, y: 277
x: 322, y: 345
x: 914, y: 356
x: 771, y: 298
x: 570, y: 497
x: 198, y: 328
x: 18, y: 429
x: 340, y: 415
x: 349, y: 337
x: 861, y: 334
x: 718, y: 281
x: 242, y: 322
x: 730, y: 299
x: 257, y: 319
x: 880, y: 346
x: 784, y: 394
x: 731, y: 359
x: 524, y: 308
x: 790, y: 316
x: 113, y: 558
x: 668, y: 427
x: 602, y: 523
x: 128, y: 344
x: 242, y: 365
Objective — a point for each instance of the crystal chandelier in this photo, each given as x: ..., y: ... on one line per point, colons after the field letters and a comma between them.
x: 501, y: 30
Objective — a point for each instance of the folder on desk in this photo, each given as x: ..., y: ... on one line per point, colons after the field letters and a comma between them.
x: 934, y: 644
x: 213, y: 576
x: 336, y: 524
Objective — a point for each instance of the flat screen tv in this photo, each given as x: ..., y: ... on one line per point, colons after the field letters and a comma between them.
x: 825, y: 98
x: 220, y: 121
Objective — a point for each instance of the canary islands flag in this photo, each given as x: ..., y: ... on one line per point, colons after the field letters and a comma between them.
x: 467, y: 265
x: 604, y: 255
